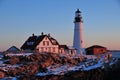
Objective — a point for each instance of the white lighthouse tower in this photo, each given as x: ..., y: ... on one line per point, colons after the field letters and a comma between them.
x: 78, y: 42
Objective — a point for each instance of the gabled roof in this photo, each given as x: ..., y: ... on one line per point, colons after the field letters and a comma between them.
x: 95, y: 46
x: 30, y: 40
x: 13, y: 48
x: 53, y: 41
x: 33, y: 41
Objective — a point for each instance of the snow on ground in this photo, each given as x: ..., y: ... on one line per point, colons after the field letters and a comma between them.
x: 1, y: 62
x: 1, y: 56
x: 113, y: 61
x: 85, y: 66
x: 90, y: 56
x: 56, y: 70
x: 6, y: 67
x: 9, y: 78
x: 19, y: 54
x: 91, y: 62
x: 99, y: 64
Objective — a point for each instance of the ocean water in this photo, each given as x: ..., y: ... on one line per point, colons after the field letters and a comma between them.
x: 115, y: 53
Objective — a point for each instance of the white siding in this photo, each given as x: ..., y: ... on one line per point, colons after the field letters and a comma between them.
x: 46, y: 46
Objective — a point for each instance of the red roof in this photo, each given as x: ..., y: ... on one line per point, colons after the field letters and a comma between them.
x: 95, y: 46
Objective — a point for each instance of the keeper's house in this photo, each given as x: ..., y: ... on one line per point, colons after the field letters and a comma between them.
x: 45, y: 43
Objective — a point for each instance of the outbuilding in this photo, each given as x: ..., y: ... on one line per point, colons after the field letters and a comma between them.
x: 13, y: 49
x: 96, y: 49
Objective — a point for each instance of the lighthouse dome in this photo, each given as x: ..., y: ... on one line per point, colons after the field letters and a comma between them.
x: 78, y: 11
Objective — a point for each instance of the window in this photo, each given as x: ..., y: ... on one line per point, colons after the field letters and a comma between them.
x: 30, y: 43
x: 47, y: 43
x: 44, y: 49
x: 43, y: 43
x: 41, y: 49
x: 53, y: 49
x: 49, y: 49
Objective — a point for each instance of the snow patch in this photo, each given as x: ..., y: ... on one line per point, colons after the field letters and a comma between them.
x: 84, y: 66
x: 18, y: 54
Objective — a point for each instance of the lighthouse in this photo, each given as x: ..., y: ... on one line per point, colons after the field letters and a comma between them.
x: 78, y: 41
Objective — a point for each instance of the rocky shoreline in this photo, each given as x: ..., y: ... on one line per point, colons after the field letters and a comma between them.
x: 95, y: 74
x: 112, y: 73
x: 28, y: 67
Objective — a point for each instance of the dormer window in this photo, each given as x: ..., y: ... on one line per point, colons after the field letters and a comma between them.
x: 30, y: 43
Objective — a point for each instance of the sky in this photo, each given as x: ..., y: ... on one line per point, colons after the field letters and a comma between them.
x: 19, y: 19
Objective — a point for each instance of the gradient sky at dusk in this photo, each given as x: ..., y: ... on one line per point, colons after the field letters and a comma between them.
x: 20, y: 18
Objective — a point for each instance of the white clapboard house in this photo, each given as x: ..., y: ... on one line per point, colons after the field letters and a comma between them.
x: 45, y: 43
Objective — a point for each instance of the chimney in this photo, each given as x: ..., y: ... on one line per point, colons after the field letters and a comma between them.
x: 33, y: 35
x: 42, y: 33
x: 49, y: 35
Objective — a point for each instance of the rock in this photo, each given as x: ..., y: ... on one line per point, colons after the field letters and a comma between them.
x: 110, y: 55
x: 14, y: 60
x: 37, y: 62
x: 34, y: 67
x: 2, y: 74
x: 47, y: 63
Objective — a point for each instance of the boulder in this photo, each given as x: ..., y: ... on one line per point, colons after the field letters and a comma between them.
x: 2, y: 74
x: 14, y: 60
